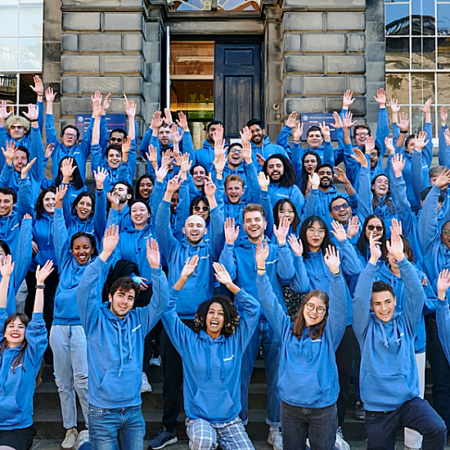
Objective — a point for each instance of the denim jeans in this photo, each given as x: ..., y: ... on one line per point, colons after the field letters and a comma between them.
x: 125, y: 426
x: 263, y: 335
x: 417, y: 414
x: 319, y: 425
x: 68, y: 343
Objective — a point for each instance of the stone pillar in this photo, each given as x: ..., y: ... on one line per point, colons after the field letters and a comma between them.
x: 324, y: 55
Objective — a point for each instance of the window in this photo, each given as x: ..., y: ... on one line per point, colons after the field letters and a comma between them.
x: 215, y: 5
x: 16, y: 91
x: 418, y: 56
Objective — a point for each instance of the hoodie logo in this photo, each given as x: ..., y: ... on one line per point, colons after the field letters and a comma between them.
x: 229, y: 359
x: 400, y: 338
x: 204, y: 257
x: 271, y: 262
x: 134, y: 329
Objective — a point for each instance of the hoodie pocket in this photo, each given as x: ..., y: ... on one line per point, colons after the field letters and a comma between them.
x: 10, y: 411
x: 123, y: 388
x: 300, y: 387
x: 212, y: 405
x: 385, y: 391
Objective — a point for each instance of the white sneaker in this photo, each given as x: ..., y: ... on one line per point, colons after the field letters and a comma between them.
x: 71, y: 438
x: 340, y: 443
x: 146, y: 386
x: 156, y: 361
x: 275, y: 439
x: 83, y: 437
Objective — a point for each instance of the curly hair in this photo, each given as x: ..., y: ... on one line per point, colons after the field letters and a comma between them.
x: 230, y: 319
x: 13, y: 119
x: 39, y: 208
x: 288, y: 178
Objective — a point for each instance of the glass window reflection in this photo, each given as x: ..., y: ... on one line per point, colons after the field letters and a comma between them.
x: 423, y: 20
x: 443, y: 20
x: 422, y: 87
x: 443, y: 88
x: 423, y: 54
x: 397, y: 19
x: 397, y: 53
x: 397, y: 86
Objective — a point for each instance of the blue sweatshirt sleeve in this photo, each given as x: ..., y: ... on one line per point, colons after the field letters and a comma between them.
x: 253, y: 188
x: 50, y: 132
x: 361, y: 302
x: 383, y: 131
x: 443, y: 325
x: 427, y: 152
x: 228, y: 259
x: 187, y: 146
x: 283, y: 139
x: 85, y: 146
x: 249, y: 317
x: 100, y: 213
x: 40, y: 106
x: 96, y: 158
x: 2, y: 144
x: 300, y: 282
x: 312, y: 204
x: 351, y: 265
x: 336, y: 323
x: 285, y: 266
x: 163, y: 231
x: 297, y: 199
x: 328, y: 153
x: 402, y: 205
x: 416, y: 175
x: 6, y: 175
x: 267, y: 206
x: 444, y: 149
x: 429, y: 235
x: 145, y: 142
x: 25, y: 198
x: 183, y: 208
x: 103, y: 141
x: 365, y: 196
x: 36, y: 150
x: 36, y: 337
x: 60, y: 237
x: 217, y: 238
x: 23, y: 252
x: 277, y: 318
x: 297, y: 154
x: 156, y: 198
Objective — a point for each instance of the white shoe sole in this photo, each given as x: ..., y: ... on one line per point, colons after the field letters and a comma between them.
x: 172, y: 441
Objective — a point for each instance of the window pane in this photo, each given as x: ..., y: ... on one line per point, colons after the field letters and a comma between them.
x: 30, y: 20
x: 443, y: 81
x: 397, y: 86
x: 423, y: 17
x: 443, y: 20
x: 397, y: 19
x: 192, y: 59
x: 443, y: 53
x: 397, y: 53
x: 418, y: 120
x: 8, y: 54
x: 8, y: 91
x: 30, y: 54
x: 8, y: 21
x: 422, y: 87
x: 423, y: 53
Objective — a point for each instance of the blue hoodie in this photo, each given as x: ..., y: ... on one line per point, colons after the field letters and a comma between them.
x: 308, y: 375
x: 70, y: 273
x: 312, y: 272
x: 17, y: 387
x: 212, y: 367
x: 200, y: 285
x: 266, y: 149
x: 443, y: 324
x: 292, y: 193
x: 240, y: 261
x: 388, y: 376
x: 205, y: 155
x: 43, y: 230
x: 444, y: 149
x: 116, y: 346
x: 385, y: 274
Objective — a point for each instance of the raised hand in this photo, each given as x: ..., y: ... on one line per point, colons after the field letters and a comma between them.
x: 291, y: 122
x: 157, y: 121
x: 360, y: 157
x: 218, y: 133
x: 427, y: 106
x: 395, y: 107
x: 298, y: 132
x: 113, y: 200
x: 43, y: 272
x: 403, y: 121
x: 444, y: 115
x: 100, y: 176
x: 182, y: 121
x: 33, y: 112
x: 340, y: 175
x: 106, y: 103
x: 4, y: 114
x: 50, y: 95
x: 375, y: 250
x: 282, y: 231
x: 168, y: 117
x: 167, y: 157
x: 397, y: 226
x: 381, y: 97
x: 153, y: 256
x: 7, y: 266
x: 189, y: 267
x: 314, y: 180
x: 264, y: 181
x: 443, y: 179
x: 389, y: 145
x: 96, y: 97
x: 262, y: 253
x: 325, y: 129
x: 337, y: 121
x: 97, y: 109
x: 67, y: 169
x: 152, y: 155
x: 221, y: 274
x: 110, y: 240
x: 174, y: 184
x: 209, y: 187
x: 186, y: 164
x: 219, y: 149
x: 347, y: 99
x: 443, y: 284
x: 130, y: 108
x: 419, y: 141
x: 338, y: 231
x: 347, y: 121
x: 332, y: 259
x: 61, y: 191
x: 231, y: 232
x: 161, y: 173
x: 353, y: 227
x: 38, y: 86
x: 26, y: 169
x: 260, y: 159
x: 126, y: 147
x: 9, y: 152
x: 447, y: 136
x: 398, y: 164
x: 296, y: 245
x: 370, y: 144
x: 49, y: 150
x: 395, y: 245
x: 246, y: 135
x: 177, y: 137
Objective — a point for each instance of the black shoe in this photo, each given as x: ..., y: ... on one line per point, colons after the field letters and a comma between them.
x: 360, y: 412
x: 162, y: 439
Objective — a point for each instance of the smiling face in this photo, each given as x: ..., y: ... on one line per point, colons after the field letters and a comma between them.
x: 82, y: 250
x: 174, y: 202
x: 194, y: 229
x: 361, y: 135
x: 286, y: 210
x: 374, y: 158
x: 410, y: 146
x: 122, y: 302
x: 2, y: 255
x: 235, y: 156
x: 145, y: 188
x: 69, y: 137
x: 139, y: 215
x: 202, y: 210
x: 121, y: 192
x: 215, y: 320
x: 257, y: 134
x: 116, y: 138
x: 326, y: 177
x: 315, y: 235
x: 234, y: 191
x: 113, y: 158
x: 254, y: 225
x: 20, y: 160
x: 15, y: 333
x: 314, y: 311
x: 16, y: 130
x: 341, y: 211
x: 310, y: 163
x: 198, y: 175
x: 314, y: 139
x: 6, y: 204
x: 84, y: 208
x: 165, y: 136
x: 383, y: 305
x: 275, y: 169
x: 49, y: 203
x: 445, y: 234
x: 380, y: 186
x: 374, y: 226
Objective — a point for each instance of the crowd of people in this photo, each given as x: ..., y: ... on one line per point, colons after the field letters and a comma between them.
x: 216, y: 256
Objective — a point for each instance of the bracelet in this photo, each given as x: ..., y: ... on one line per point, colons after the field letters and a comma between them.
x: 404, y: 131
x: 34, y: 120
x: 40, y: 286
x: 260, y: 268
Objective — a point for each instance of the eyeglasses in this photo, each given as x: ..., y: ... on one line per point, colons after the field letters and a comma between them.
x: 72, y: 136
x: 375, y: 227
x: 17, y: 127
x: 320, y: 231
x: 313, y: 307
x: 200, y: 208
x: 339, y: 207
x: 236, y: 150
x: 445, y: 232
x: 119, y: 140
x: 362, y: 134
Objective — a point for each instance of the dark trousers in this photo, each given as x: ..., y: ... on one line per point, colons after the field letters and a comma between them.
x: 417, y: 414
x: 344, y: 362
x: 440, y: 370
x: 173, y: 379
x: 319, y: 425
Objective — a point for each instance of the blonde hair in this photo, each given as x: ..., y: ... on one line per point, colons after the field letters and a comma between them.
x: 13, y: 119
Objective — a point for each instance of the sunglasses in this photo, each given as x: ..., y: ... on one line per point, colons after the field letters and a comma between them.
x: 375, y: 227
x: 313, y: 307
x: 119, y: 140
x: 445, y: 232
x: 339, y: 207
x: 200, y: 208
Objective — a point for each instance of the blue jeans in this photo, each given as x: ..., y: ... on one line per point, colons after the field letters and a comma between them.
x: 125, y: 426
x: 263, y: 335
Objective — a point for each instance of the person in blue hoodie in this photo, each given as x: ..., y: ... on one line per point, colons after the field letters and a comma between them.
x: 389, y: 380
x: 205, y: 156
x: 67, y: 337
x: 238, y: 257
x: 443, y: 311
x: 212, y: 356
x: 199, y: 287
x: 22, y: 347
x: 308, y: 376
x: 115, y: 335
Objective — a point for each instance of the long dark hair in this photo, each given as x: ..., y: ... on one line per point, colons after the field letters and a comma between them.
x: 299, y: 326
x: 39, y: 208
x: 363, y: 242
x: 387, y: 198
x: 278, y: 205
x: 307, y: 223
x: 288, y: 178
x: 25, y: 320
x: 78, y: 199
x: 77, y: 179
x: 305, y: 174
x: 195, y: 201
x: 230, y: 315
x: 5, y: 247
x: 138, y: 183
